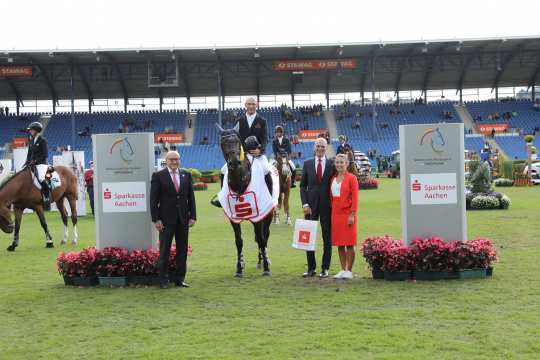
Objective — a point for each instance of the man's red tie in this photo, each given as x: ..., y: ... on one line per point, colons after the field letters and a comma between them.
x: 319, y: 170
x: 175, y: 181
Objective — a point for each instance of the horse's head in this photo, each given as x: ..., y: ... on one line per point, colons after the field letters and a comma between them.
x: 231, y: 147
x: 6, y: 224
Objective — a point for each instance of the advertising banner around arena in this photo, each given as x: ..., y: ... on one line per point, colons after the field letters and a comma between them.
x: 318, y: 65
x: 19, y: 142
x: 486, y: 129
x: 123, y: 166
x: 174, y: 138
x: 75, y: 161
x: 19, y: 158
x: 5, y: 168
x: 15, y: 71
x: 310, y: 135
x: 432, y: 167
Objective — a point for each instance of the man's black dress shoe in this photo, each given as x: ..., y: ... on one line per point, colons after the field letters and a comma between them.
x: 309, y: 273
x: 182, y: 284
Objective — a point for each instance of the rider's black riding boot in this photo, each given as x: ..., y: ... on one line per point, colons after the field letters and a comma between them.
x: 46, y: 194
x: 293, y: 178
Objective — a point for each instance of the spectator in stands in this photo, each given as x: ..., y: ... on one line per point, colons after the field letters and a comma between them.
x: 204, y: 141
x: 89, y: 181
x: 6, y: 111
x: 85, y: 131
x: 1, y: 111
x: 355, y: 124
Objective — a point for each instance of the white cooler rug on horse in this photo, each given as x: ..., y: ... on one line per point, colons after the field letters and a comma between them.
x: 55, y: 181
x: 256, y: 202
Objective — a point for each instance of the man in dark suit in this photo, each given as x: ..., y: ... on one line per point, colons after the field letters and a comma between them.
x: 282, y: 144
x: 38, y: 152
x: 172, y: 206
x: 252, y: 123
x: 315, y: 196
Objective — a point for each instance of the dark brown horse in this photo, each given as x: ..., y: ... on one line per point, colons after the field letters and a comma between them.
x: 285, y: 176
x: 239, y: 177
x: 20, y: 191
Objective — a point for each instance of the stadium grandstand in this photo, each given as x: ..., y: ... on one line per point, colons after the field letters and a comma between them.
x: 363, y: 90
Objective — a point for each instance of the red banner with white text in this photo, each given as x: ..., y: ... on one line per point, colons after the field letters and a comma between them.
x: 173, y: 138
x: 323, y: 64
x: 486, y: 129
x: 15, y: 71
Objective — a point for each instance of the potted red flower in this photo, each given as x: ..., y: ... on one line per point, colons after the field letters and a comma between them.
x: 374, y: 250
x: 472, y: 259
x: 432, y: 258
x: 111, y: 266
x: 398, y: 262
x: 78, y: 268
x: 142, y: 267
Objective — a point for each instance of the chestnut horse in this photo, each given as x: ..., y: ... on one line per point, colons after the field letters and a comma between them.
x: 20, y: 191
x: 285, y: 175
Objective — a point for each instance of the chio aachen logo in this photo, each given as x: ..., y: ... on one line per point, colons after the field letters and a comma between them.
x: 124, y: 148
x: 435, y: 139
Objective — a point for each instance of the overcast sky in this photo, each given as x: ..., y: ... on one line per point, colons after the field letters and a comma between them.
x: 76, y: 24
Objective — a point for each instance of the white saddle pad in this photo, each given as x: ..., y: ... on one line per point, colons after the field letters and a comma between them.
x: 55, y: 181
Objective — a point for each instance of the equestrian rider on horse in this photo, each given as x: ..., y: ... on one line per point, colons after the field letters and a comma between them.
x: 282, y: 144
x: 37, y: 156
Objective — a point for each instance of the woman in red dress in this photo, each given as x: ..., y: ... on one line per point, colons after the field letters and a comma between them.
x: 344, y: 200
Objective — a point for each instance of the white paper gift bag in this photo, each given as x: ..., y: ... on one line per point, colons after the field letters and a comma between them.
x: 305, y: 234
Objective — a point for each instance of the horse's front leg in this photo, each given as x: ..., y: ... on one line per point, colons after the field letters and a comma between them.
x: 286, y: 207
x: 262, y: 233
x: 18, y: 218
x: 240, y: 264
x: 41, y: 215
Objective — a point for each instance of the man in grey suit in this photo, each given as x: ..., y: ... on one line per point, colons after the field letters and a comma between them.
x: 315, y: 196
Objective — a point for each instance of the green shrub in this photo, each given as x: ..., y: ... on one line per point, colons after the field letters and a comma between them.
x: 508, y: 169
x: 528, y: 138
x: 503, y: 182
x: 473, y: 166
x: 195, y: 174
x: 485, y: 202
x: 505, y: 202
x: 481, y: 180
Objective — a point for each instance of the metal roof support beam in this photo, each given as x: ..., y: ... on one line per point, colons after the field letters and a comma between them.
x: 48, y: 82
x: 502, y: 66
x: 121, y: 80
x: 85, y: 82
x: 258, y: 81
x: 327, y: 90
x: 534, y: 76
x: 15, y: 90
x: 475, y: 53
x: 402, y: 64
x: 160, y: 91
x: 430, y: 66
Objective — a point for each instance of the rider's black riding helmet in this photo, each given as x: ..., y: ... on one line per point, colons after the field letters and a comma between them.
x: 252, y: 143
x: 36, y: 125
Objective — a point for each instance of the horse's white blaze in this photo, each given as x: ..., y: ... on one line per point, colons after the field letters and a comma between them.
x: 75, y: 235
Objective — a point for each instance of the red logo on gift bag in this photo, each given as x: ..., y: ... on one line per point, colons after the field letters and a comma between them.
x: 304, y: 237
x: 107, y: 194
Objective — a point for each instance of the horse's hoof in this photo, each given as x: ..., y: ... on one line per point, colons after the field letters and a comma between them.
x: 238, y: 275
x: 259, y: 266
x: 63, y: 242
x: 49, y: 245
x: 11, y: 247
x: 74, y: 242
x: 267, y: 273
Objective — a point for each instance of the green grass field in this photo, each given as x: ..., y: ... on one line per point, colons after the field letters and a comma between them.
x: 283, y: 316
